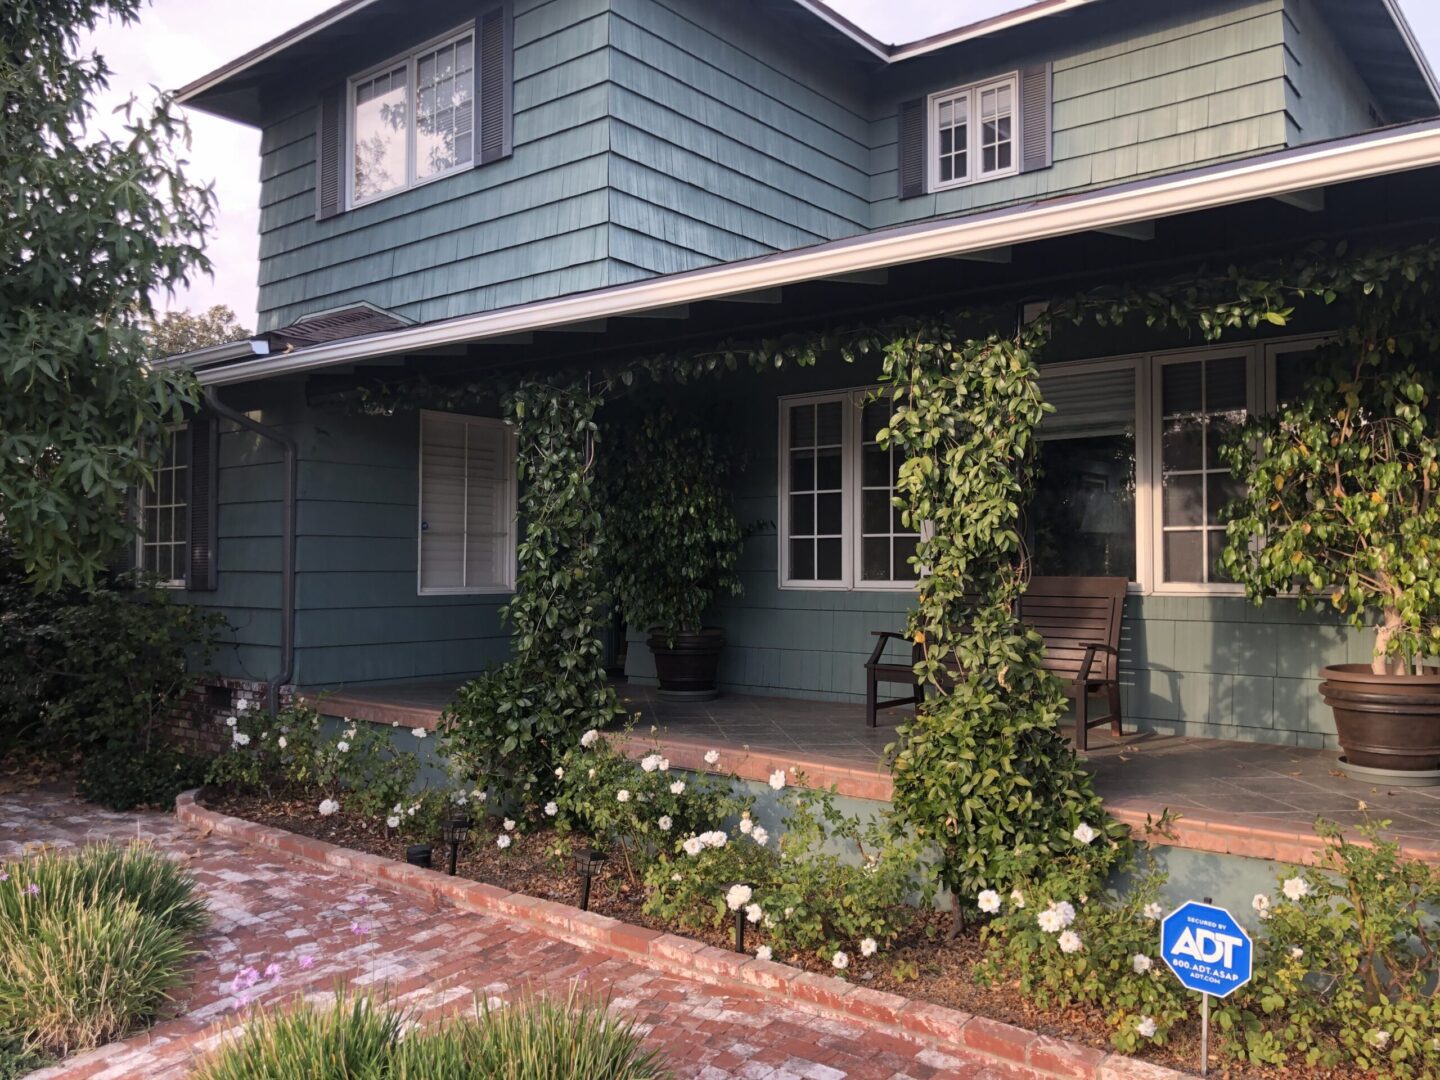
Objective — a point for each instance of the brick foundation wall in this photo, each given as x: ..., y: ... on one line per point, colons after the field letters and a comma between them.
x: 197, y: 723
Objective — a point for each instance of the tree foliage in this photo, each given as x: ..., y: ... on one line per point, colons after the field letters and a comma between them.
x: 672, y: 536
x: 185, y: 331
x: 91, y: 226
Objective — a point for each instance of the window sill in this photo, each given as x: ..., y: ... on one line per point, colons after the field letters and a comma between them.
x: 952, y: 185
x: 489, y: 590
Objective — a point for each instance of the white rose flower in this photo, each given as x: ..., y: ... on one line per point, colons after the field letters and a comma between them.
x: 342, y: 746
x: 759, y: 835
x: 1049, y: 921
x: 242, y: 705
x: 232, y: 721
x: 1140, y: 963
x: 508, y: 824
x: 716, y: 839
x: 665, y: 823
x: 1069, y: 942
x: 592, y: 774
x: 746, y: 824
x: 675, y: 878
x: 551, y: 808
x: 869, y: 947
x: 1064, y: 910
x: 1261, y: 904
x: 711, y: 758
x: 693, y: 846
x: 1017, y: 898
x: 328, y: 807
x: 1154, y: 912
x: 588, y: 739
x: 1379, y: 1038
x: 394, y: 723
x: 392, y: 822
x: 754, y: 913
x: 677, y: 788
x: 240, y: 739
x: 777, y: 781
x: 622, y: 795
x: 559, y: 772
x: 502, y: 841
x: 989, y: 901
x: 1146, y: 1027
x: 663, y: 764
x: 1295, y: 888
x: 650, y: 762
x: 1296, y: 953
x: 281, y: 742
x: 763, y: 952
x: 481, y: 796
x: 738, y: 896
x: 419, y: 732
x: 1084, y: 833
x: 840, y: 961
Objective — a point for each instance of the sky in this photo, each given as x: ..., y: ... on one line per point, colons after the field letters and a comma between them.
x: 179, y: 40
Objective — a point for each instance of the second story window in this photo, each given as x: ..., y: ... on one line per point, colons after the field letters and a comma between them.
x: 413, y: 118
x: 973, y: 132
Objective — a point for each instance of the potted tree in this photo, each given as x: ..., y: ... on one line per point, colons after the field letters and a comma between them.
x: 673, y: 542
x: 1341, y: 507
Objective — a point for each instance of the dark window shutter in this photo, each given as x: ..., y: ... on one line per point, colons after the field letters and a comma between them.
x: 912, y: 165
x: 204, y: 445
x: 494, y: 83
x: 1035, y: 117
x: 330, y: 144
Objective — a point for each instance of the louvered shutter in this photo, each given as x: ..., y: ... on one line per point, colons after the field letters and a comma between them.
x: 911, y: 142
x: 466, y: 517
x: 494, y: 82
x: 201, y: 504
x: 330, y: 149
x: 1089, y: 404
x: 1035, y: 117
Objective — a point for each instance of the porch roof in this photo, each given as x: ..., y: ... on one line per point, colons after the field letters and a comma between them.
x: 1250, y: 799
x: 1300, y: 176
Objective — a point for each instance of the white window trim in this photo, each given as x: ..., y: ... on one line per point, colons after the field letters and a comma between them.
x: 408, y: 59
x: 510, y: 512
x: 852, y: 498
x: 1260, y: 398
x: 973, y: 157
x: 169, y: 583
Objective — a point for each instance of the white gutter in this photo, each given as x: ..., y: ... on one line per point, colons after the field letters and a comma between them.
x: 215, y: 354
x: 1414, y: 147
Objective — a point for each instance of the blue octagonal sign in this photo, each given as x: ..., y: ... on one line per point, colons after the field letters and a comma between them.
x: 1206, y: 948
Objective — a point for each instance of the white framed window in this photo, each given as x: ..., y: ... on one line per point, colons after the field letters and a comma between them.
x: 163, y: 545
x: 467, y: 522
x: 975, y: 133
x: 839, y: 528
x: 412, y: 119
x: 1132, y: 480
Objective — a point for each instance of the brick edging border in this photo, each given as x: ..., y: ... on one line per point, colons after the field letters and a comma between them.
x: 999, y: 1043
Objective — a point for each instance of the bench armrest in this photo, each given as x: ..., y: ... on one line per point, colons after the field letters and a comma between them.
x: 1091, y: 648
x: 884, y: 636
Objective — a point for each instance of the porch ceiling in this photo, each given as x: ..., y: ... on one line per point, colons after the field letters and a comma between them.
x: 1238, y: 798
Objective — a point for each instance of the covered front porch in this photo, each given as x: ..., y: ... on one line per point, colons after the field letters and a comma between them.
x: 1237, y: 798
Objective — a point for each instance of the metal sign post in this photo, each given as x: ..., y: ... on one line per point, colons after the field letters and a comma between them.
x: 1210, y: 953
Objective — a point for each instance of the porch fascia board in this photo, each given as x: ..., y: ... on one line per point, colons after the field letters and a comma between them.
x: 1402, y: 149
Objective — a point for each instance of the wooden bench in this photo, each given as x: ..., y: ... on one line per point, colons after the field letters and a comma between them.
x: 1079, y: 618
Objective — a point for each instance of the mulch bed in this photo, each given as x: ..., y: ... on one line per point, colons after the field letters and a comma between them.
x: 921, y: 965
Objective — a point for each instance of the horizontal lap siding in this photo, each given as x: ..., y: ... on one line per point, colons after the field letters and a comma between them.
x: 1166, y: 90
x: 361, y: 618
x: 526, y: 228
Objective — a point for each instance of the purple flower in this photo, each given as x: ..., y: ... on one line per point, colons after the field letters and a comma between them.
x: 4, y: 875
x: 358, y: 930
x: 362, y: 899
x: 272, y: 970
x: 307, y: 961
x: 33, y: 889
x: 242, y: 1001
x: 251, y: 976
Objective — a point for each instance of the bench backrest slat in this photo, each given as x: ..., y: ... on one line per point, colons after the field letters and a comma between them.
x: 1068, y: 612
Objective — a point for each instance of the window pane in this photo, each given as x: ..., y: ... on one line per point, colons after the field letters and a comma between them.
x: 1216, y: 541
x: 827, y: 470
x: 829, y: 423
x: 1218, y: 430
x: 1082, y: 518
x: 1184, y: 497
x: 802, y: 425
x: 875, y: 517
x: 802, y: 471
x: 802, y: 515
x: 875, y: 559
x: 1291, y: 371
x: 1185, y: 556
x: 802, y: 560
x: 875, y: 467
x: 902, y: 569
x: 828, y: 561
x: 1225, y: 384
x: 1181, y: 441
x: 1003, y: 153
x: 380, y: 133
x: 827, y: 515
x: 444, y: 115
x: 1222, y: 490
x: 1182, y: 389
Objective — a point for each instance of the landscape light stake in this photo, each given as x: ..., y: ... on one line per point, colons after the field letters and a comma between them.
x: 587, y: 860
x: 454, y: 831
x: 740, y: 925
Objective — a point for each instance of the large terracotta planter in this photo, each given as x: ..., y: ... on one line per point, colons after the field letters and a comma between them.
x: 687, y: 665
x: 1388, y: 725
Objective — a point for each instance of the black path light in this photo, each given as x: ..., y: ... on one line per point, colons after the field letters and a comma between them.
x: 453, y: 831
x: 587, y: 862
x: 740, y: 916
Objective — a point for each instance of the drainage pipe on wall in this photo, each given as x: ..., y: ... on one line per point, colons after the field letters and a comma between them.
x: 287, y: 553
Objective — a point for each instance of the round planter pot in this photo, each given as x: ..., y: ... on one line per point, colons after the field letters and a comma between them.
x: 686, y: 665
x: 1386, y: 724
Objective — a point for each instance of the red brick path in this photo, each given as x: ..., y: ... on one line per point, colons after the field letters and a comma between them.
x: 269, y: 909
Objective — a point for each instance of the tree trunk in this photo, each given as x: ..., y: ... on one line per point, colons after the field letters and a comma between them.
x: 1381, y: 662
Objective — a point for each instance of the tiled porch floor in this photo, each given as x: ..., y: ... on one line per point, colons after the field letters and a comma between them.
x: 1245, y: 798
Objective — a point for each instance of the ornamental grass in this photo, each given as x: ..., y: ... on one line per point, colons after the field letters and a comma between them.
x: 363, y: 1037
x: 91, y: 945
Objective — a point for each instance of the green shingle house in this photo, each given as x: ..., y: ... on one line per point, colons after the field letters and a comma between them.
x: 452, y: 188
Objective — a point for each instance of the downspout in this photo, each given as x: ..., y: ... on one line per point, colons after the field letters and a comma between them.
x: 287, y: 551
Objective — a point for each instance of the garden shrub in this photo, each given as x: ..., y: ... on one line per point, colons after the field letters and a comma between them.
x: 538, y: 1039
x: 121, y: 777
x: 90, y: 945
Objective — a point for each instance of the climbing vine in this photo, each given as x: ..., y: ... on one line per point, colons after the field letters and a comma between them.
x: 506, y: 729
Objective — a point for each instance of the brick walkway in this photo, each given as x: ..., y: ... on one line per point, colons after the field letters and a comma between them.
x: 267, y: 909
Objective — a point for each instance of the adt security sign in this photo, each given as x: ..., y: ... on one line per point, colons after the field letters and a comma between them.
x: 1206, y: 949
